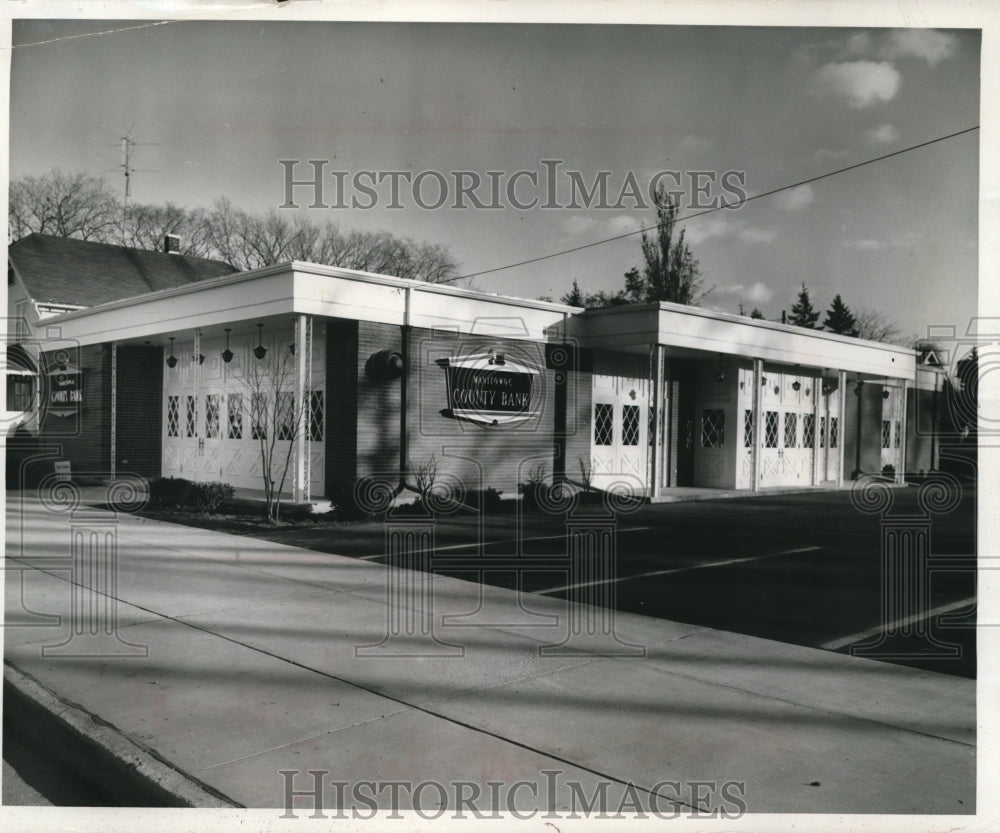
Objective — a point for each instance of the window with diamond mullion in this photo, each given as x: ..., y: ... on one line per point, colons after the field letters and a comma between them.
x: 886, y: 434
x: 317, y: 409
x: 770, y: 429
x: 791, y: 430
x: 234, y: 408
x: 603, y: 424
x: 173, y: 416
x: 212, y: 416
x: 713, y: 428
x: 285, y: 416
x: 834, y: 429
x: 630, y: 425
x: 748, y: 429
x: 192, y: 417
x: 896, y: 434
x: 808, y: 430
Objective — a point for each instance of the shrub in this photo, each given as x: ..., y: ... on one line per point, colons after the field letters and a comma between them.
x: 532, y: 489
x: 487, y: 501
x: 888, y: 470
x: 361, y: 498
x: 179, y: 493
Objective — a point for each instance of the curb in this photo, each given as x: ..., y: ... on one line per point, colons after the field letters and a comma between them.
x: 114, y: 762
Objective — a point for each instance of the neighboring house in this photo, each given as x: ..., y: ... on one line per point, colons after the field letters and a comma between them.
x: 48, y: 276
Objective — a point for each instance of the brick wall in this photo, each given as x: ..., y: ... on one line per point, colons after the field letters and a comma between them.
x: 140, y: 410
x: 378, y: 402
x: 85, y: 438
x: 341, y: 402
x: 870, y: 401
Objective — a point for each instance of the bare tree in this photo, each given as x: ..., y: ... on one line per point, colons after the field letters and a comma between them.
x: 84, y: 207
x: 877, y: 326
x: 65, y: 205
x: 278, y: 417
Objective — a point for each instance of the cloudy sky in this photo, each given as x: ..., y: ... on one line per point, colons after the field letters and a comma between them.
x: 720, y: 109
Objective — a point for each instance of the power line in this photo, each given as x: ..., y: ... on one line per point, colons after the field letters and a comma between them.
x: 716, y: 208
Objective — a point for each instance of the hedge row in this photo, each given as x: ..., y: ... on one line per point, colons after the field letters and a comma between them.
x: 178, y: 493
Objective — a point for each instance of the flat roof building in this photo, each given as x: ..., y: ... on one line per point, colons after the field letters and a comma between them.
x: 372, y: 376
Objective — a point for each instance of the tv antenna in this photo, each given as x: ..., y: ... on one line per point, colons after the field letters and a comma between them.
x: 127, y: 145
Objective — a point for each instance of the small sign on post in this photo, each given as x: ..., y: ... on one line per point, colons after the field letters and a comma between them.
x: 62, y: 471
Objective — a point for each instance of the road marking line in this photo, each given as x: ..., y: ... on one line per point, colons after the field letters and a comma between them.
x: 836, y: 644
x: 560, y: 537
x: 726, y: 563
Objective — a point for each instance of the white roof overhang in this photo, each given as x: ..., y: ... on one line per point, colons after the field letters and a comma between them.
x: 305, y: 288
x: 685, y: 329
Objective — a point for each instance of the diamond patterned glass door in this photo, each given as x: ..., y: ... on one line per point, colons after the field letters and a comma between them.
x: 620, y: 426
x: 208, y: 432
x: 789, y: 431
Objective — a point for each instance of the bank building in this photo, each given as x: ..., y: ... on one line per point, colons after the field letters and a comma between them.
x: 136, y: 362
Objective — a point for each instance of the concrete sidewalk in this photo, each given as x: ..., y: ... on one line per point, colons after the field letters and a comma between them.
x: 238, y: 659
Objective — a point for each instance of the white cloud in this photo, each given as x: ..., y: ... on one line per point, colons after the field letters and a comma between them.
x: 859, y: 43
x: 866, y: 245
x: 860, y: 83
x: 706, y: 228
x: 884, y: 134
x: 794, y: 199
x: 823, y: 154
x: 755, y: 293
x: 929, y: 44
x: 758, y: 235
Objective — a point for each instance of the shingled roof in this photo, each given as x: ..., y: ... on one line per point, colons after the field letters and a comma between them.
x: 61, y: 270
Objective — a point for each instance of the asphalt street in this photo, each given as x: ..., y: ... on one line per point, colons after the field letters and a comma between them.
x: 799, y: 568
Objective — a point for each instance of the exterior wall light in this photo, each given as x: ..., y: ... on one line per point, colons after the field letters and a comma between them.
x: 797, y: 386
x: 885, y: 394
x: 227, y: 354
x: 384, y: 366
x: 260, y: 350
x: 720, y: 374
x: 171, y: 359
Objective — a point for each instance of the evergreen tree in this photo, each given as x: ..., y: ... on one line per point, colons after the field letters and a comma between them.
x: 671, y: 272
x: 574, y: 297
x: 839, y: 319
x: 756, y: 313
x: 803, y: 314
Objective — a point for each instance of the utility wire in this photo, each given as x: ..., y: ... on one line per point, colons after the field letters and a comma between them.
x: 717, y: 208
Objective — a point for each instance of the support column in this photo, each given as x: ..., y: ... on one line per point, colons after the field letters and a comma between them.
x: 841, y: 430
x: 299, y: 485
x: 653, y: 440
x: 662, y: 416
x: 817, y: 402
x: 901, y: 470
x: 758, y: 416
x: 114, y: 407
